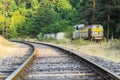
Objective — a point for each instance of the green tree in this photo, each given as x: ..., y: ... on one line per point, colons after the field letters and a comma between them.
x: 59, y: 26
x: 109, y: 15
x: 35, y: 4
x: 63, y: 7
x: 2, y: 19
x: 87, y: 11
x: 16, y: 21
x: 12, y: 7
x: 45, y: 16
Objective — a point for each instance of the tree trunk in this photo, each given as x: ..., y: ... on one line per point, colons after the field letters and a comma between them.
x: 5, y: 23
x: 93, y: 14
x: 108, y: 27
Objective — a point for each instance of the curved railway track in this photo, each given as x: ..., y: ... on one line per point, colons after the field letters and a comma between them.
x: 66, y: 65
x: 60, y: 64
x: 16, y: 67
x: 54, y: 64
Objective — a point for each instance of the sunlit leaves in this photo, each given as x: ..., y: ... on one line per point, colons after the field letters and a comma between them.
x: 34, y: 4
x: 2, y: 18
x: 12, y: 6
x: 17, y: 18
x: 64, y: 4
x: 30, y: 17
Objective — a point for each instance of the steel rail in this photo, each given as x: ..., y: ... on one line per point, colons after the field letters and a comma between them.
x: 16, y: 73
x: 104, y: 72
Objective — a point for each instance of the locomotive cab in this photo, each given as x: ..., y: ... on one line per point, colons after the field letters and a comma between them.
x: 76, y: 33
x: 97, y: 31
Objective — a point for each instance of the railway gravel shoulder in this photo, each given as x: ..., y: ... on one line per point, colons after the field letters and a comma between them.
x: 9, y: 65
x: 110, y: 69
x: 54, y: 64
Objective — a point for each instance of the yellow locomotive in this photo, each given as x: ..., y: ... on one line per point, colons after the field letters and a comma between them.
x: 88, y: 32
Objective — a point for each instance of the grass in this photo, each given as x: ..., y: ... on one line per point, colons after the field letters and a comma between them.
x: 109, y: 50
x: 115, y: 44
x: 4, y: 42
x: 80, y: 42
x: 7, y: 48
x: 67, y: 41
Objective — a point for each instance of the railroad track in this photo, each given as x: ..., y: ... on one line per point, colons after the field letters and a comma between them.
x: 61, y: 64
x: 16, y: 67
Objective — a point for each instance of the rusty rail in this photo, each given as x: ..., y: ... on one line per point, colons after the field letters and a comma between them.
x: 16, y: 73
x: 107, y: 74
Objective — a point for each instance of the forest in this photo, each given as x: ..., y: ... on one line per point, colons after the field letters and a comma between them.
x: 21, y: 18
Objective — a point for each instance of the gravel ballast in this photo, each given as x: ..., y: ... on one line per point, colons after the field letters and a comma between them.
x: 106, y: 63
x: 9, y: 64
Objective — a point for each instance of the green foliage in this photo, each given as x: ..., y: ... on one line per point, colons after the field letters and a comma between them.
x: 48, y: 39
x: 69, y: 32
x: 110, y: 8
x: 1, y: 23
x: 101, y: 10
x: 63, y: 5
x: 17, y: 19
x: 34, y: 4
x: 63, y: 41
x: 59, y: 26
x: 30, y: 17
x: 81, y: 42
x: 12, y: 32
x: 40, y: 36
x: 12, y: 7
x: 77, y: 42
x: 85, y: 9
x: 45, y: 17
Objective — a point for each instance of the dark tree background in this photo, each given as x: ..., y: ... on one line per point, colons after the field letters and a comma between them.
x: 20, y: 18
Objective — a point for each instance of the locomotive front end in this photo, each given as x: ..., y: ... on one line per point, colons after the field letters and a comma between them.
x: 97, y: 32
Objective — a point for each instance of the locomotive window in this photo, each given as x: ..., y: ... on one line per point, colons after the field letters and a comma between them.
x: 100, y: 26
x: 97, y: 26
x: 94, y: 26
x: 76, y: 27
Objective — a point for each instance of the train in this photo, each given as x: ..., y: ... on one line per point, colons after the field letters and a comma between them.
x: 91, y: 32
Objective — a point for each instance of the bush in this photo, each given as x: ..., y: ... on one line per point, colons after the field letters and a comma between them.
x: 81, y: 42
x: 48, y: 39
x: 115, y: 44
x: 39, y: 36
x: 69, y: 32
x: 63, y: 41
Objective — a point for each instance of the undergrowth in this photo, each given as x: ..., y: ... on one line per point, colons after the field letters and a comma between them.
x: 80, y: 42
x: 115, y: 44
